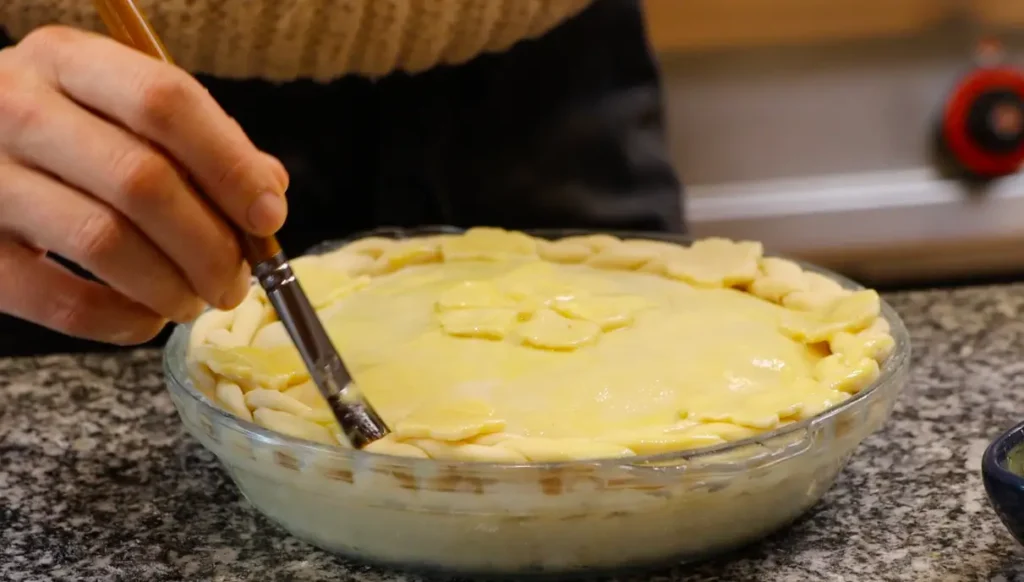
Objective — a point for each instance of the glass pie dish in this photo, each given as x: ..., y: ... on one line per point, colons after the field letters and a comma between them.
x: 575, y: 517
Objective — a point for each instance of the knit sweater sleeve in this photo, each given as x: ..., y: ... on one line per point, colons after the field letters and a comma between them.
x: 283, y: 40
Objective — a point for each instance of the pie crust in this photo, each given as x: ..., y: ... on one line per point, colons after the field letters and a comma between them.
x: 496, y: 346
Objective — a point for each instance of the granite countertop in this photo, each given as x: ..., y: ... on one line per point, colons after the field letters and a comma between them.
x: 99, y: 482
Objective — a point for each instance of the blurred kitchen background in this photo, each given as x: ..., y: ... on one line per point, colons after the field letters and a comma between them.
x: 812, y: 125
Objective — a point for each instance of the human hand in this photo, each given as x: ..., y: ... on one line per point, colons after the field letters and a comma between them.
x: 96, y: 141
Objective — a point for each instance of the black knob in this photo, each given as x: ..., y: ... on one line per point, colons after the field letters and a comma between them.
x: 982, y: 129
x: 995, y: 120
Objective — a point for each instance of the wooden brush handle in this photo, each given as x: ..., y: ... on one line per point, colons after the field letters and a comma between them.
x: 128, y: 25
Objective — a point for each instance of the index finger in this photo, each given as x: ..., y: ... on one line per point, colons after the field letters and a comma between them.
x: 167, y: 106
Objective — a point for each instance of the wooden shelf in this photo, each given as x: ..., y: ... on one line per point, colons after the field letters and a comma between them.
x: 1000, y: 12
x: 687, y: 25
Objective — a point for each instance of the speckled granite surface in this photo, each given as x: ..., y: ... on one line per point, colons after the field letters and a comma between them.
x: 98, y: 482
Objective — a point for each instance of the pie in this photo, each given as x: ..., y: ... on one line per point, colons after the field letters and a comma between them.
x: 497, y: 346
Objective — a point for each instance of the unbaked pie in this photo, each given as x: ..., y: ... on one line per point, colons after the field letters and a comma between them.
x: 496, y: 346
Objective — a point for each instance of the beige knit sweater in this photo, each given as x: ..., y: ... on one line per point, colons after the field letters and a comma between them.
x: 322, y: 39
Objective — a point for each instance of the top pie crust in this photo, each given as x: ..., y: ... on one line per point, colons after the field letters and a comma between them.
x: 496, y: 346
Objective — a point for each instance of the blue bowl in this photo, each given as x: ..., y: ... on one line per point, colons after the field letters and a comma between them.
x: 1005, y: 489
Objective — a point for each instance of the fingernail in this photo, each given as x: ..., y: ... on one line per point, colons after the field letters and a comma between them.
x: 280, y: 172
x: 239, y: 290
x: 230, y: 300
x: 125, y: 337
x: 193, y: 309
x: 245, y: 278
x: 267, y: 213
x: 134, y: 337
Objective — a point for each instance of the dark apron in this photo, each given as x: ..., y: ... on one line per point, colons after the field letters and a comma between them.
x: 563, y: 131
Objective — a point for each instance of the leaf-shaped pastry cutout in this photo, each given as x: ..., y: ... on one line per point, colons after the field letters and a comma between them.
x: 829, y: 399
x: 389, y: 446
x: 850, y: 313
x: 488, y: 244
x: 763, y: 412
x: 564, y: 449
x: 291, y: 425
x: 213, y: 319
x: 879, y: 325
x: 321, y: 416
x: 847, y: 375
x: 654, y: 444
x: 492, y: 324
x: 253, y: 367
x: 778, y: 279
x: 688, y: 436
x: 597, y: 242
x: 761, y: 409
x: 473, y: 294
x: 819, y: 293
x: 865, y: 344
x: 609, y: 312
x: 492, y: 439
x: 324, y: 285
x: 822, y: 284
x: 249, y: 317
x: 549, y: 330
x: 405, y: 254
x: 716, y: 262
x: 274, y: 400
x: 202, y: 378
x: 627, y: 255
x: 449, y: 421
x: 231, y: 397
x: 352, y: 264
x: 459, y: 451
x: 562, y: 251
x: 723, y: 430
x: 272, y: 336
x: 223, y: 338
x: 653, y: 441
x: 308, y: 394
x: 371, y: 246
x: 535, y: 286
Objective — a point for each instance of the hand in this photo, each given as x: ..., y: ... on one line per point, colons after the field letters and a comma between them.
x: 96, y: 140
